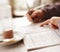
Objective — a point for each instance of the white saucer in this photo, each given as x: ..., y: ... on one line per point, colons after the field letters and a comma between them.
x: 17, y: 37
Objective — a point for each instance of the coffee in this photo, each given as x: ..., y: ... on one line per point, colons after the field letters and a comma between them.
x: 8, y: 34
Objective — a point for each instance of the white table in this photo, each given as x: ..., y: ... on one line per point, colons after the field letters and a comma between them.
x: 20, y: 47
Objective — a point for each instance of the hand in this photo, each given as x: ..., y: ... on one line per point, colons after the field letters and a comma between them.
x: 35, y: 15
x: 29, y: 15
x: 53, y: 22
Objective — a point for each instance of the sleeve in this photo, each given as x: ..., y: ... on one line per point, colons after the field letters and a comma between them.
x: 58, y: 22
x: 51, y: 10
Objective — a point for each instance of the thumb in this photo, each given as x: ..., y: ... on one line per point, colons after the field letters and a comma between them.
x: 45, y: 22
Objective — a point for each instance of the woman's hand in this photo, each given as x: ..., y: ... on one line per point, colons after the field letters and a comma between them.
x: 35, y: 15
x: 53, y: 22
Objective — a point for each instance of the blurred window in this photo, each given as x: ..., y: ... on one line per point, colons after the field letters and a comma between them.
x: 20, y: 6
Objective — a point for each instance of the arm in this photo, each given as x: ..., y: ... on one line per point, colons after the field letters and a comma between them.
x: 51, y: 10
x: 54, y: 22
x: 45, y: 12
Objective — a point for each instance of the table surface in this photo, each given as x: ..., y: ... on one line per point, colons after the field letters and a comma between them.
x: 20, y: 47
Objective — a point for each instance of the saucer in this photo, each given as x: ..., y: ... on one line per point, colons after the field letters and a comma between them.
x: 18, y: 36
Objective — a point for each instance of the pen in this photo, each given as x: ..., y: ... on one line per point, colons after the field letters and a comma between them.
x: 29, y: 15
x: 29, y: 9
x: 28, y: 6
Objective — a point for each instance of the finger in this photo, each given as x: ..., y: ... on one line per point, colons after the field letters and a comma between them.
x: 36, y: 20
x: 45, y: 23
x: 29, y: 17
x: 30, y: 12
x: 34, y: 15
x: 54, y: 26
